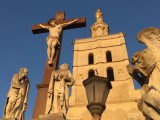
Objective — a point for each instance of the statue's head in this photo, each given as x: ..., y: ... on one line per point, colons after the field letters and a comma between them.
x: 64, y: 67
x: 143, y: 61
x: 98, y: 11
x: 52, y: 22
x: 148, y: 34
x: 23, y: 72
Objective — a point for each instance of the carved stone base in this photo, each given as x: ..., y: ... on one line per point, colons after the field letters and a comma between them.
x: 52, y: 116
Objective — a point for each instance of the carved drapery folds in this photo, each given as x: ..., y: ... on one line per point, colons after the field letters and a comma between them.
x: 17, y: 98
x: 146, y: 70
x: 58, y: 91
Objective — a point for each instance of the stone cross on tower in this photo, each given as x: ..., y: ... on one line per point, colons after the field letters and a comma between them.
x: 41, y: 100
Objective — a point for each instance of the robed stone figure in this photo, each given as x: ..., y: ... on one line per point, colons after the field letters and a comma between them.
x: 58, y: 91
x: 17, y: 98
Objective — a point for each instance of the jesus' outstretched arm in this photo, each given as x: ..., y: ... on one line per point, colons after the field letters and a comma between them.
x: 69, y: 23
x: 42, y: 26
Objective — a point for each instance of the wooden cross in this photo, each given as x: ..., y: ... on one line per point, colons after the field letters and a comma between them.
x: 41, y: 100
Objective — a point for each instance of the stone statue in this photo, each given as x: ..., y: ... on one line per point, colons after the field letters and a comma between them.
x: 146, y: 70
x: 53, y: 37
x: 99, y: 16
x: 58, y: 91
x: 17, y: 98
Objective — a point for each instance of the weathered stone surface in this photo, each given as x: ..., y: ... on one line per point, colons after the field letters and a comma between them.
x: 17, y: 98
x: 52, y: 116
x: 58, y: 91
x: 134, y: 116
x: 146, y: 70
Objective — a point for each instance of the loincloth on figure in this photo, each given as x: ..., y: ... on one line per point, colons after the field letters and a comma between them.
x: 52, y: 39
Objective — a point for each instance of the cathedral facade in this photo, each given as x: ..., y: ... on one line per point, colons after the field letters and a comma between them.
x: 103, y: 55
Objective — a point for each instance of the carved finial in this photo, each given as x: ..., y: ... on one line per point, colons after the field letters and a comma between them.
x: 99, y: 16
x: 99, y: 28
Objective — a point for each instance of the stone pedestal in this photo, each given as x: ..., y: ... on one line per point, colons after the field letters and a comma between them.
x: 53, y: 116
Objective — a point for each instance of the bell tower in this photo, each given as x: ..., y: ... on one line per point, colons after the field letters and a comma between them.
x: 104, y: 55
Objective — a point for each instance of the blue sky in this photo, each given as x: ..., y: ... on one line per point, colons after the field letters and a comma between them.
x: 20, y: 48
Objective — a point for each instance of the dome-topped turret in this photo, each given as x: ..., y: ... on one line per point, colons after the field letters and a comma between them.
x: 99, y: 28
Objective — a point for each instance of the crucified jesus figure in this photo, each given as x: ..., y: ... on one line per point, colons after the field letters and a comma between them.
x: 53, y: 37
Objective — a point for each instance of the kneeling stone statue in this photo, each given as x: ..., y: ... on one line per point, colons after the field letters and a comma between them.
x: 146, y: 70
x: 58, y: 91
x: 17, y: 98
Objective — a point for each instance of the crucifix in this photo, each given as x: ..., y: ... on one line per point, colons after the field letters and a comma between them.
x: 52, y: 64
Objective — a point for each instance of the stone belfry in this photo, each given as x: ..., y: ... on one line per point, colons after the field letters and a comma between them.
x: 104, y: 55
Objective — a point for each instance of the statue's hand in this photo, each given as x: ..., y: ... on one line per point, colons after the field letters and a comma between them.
x: 49, y: 95
x: 40, y: 25
x: 76, y: 20
x: 50, y: 91
x: 145, y: 89
x: 26, y: 78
